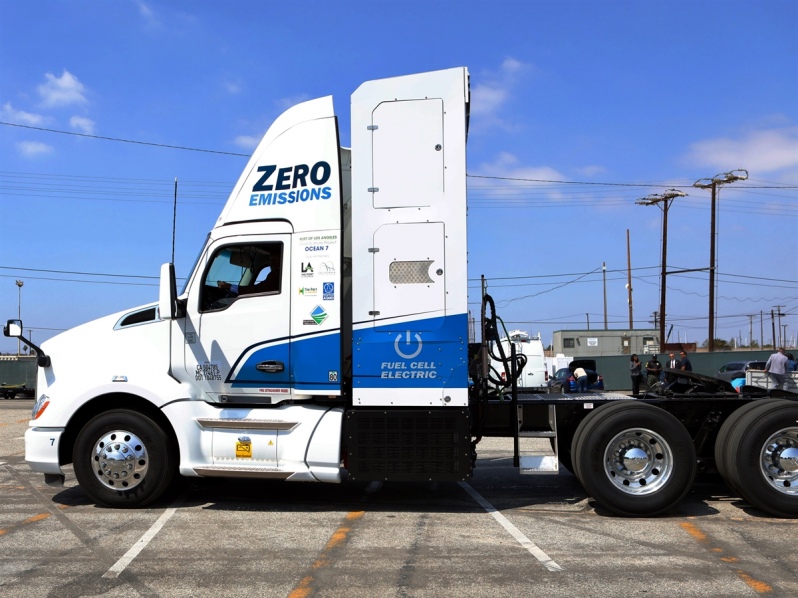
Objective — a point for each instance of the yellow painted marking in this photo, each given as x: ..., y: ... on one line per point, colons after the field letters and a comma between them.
x: 305, y: 587
x: 694, y: 531
x: 36, y: 518
x: 760, y: 587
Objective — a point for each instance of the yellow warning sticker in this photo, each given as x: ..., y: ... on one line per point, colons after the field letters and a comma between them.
x: 244, y: 449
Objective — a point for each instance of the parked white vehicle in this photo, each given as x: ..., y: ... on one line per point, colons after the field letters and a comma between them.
x: 533, y: 374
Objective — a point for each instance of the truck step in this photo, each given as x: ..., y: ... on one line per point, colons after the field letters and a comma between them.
x: 538, y: 464
x: 246, y: 424
x: 239, y: 471
x: 537, y: 433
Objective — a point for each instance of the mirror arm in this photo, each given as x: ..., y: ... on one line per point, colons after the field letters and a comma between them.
x: 42, y: 360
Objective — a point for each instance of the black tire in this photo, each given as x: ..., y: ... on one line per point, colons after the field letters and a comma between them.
x: 563, y: 452
x: 589, y: 420
x: 763, y: 457
x: 124, y: 459
x: 634, y: 459
x: 723, y: 453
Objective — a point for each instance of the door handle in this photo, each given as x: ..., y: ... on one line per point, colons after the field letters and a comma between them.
x: 271, y: 367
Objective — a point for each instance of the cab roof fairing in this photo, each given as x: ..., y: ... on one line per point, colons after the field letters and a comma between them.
x: 306, y: 111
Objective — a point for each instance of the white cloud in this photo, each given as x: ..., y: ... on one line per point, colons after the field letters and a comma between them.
x: 507, y: 165
x: 21, y: 117
x: 759, y: 152
x: 32, y: 149
x: 494, y: 88
x: 287, y: 102
x: 232, y: 87
x: 61, y: 91
x: 591, y: 170
x: 247, y: 142
x: 82, y: 124
x: 512, y: 174
x: 148, y: 14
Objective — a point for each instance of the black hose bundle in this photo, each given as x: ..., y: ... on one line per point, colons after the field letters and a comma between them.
x: 493, y: 340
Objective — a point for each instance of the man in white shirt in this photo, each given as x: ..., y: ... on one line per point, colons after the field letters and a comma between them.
x: 776, y: 368
x: 581, y: 379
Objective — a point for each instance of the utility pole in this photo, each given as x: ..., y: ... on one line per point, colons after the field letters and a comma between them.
x: 604, y: 274
x: 20, y: 284
x: 715, y: 183
x: 629, y: 278
x: 778, y: 315
x: 761, y: 330
x: 750, y: 330
x: 663, y: 202
x: 773, y: 327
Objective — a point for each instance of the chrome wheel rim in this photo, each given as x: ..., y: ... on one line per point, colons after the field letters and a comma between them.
x: 638, y: 461
x: 779, y: 461
x: 120, y: 460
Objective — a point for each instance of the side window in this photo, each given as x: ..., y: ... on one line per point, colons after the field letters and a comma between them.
x: 568, y: 343
x: 240, y: 270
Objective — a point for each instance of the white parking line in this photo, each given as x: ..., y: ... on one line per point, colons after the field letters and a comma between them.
x: 514, y: 531
x: 131, y: 554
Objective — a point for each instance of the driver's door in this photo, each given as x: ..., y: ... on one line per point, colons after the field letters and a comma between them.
x: 237, y: 341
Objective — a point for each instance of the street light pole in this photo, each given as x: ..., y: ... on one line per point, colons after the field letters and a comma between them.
x: 19, y: 284
x: 715, y: 183
x: 663, y: 202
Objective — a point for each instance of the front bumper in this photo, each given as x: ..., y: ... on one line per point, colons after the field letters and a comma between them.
x: 41, y: 449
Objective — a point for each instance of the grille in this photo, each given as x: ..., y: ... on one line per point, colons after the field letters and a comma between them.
x: 409, y: 272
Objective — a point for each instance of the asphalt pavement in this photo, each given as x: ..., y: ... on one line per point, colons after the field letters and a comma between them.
x: 501, y: 534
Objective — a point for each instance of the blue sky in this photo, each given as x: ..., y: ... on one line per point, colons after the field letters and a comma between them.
x: 592, y: 105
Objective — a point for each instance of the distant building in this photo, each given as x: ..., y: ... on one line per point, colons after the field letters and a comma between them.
x: 596, y: 343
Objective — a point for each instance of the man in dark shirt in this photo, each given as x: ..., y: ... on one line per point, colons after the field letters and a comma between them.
x: 653, y: 370
x: 685, y: 366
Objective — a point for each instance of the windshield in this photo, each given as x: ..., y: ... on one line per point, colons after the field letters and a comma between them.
x: 194, y: 266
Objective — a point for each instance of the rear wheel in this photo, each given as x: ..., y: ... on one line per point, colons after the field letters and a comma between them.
x: 724, y: 455
x: 124, y: 459
x: 635, y: 459
x: 589, y: 421
x: 762, y: 451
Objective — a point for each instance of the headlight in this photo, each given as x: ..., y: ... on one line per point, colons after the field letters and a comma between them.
x: 39, y: 406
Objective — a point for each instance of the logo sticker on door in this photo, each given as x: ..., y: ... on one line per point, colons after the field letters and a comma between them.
x: 318, y: 316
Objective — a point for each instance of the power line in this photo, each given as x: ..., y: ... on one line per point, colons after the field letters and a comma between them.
x: 163, y: 145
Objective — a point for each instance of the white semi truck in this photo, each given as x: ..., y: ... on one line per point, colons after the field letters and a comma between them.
x: 323, y: 335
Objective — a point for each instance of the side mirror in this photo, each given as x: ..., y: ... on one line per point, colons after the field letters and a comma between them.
x: 13, y: 329
x: 167, y: 295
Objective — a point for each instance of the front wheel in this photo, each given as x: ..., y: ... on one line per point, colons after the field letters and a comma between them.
x: 124, y: 459
x: 635, y: 459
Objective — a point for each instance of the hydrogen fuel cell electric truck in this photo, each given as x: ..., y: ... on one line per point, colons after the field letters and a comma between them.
x: 323, y: 335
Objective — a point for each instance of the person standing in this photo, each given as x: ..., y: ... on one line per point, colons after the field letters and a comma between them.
x: 791, y: 365
x: 634, y: 372
x: 685, y: 366
x: 776, y: 368
x: 672, y: 364
x: 653, y: 370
